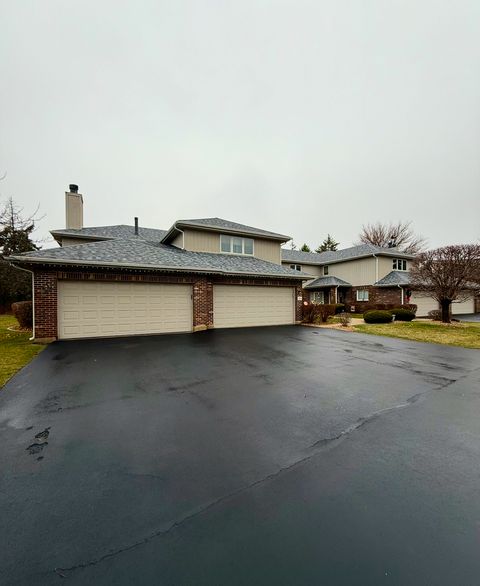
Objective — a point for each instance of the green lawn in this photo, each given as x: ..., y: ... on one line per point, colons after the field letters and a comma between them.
x: 455, y: 334
x: 15, y: 349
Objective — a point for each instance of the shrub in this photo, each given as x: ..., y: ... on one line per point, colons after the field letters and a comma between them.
x: 435, y: 314
x: 377, y: 316
x: 403, y: 314
x: 317, y: 312
x: 23, y: 311
x: 345, y: 319
x: 339, y: 308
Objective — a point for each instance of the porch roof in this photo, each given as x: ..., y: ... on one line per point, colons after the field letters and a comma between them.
x: 329, y: 281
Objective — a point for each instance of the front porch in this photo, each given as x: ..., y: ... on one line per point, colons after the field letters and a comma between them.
x: 326, y: 289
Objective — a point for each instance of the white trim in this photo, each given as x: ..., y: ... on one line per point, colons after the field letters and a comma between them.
x: 362, y: 291
x: 242, y: 238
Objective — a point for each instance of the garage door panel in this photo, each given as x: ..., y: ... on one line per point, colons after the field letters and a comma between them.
x: 424, y: 304
x: 243, y: 306
x: 116, y: 309
x: 463, y: 307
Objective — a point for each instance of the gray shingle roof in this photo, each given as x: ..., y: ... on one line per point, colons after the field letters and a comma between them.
x: 394, y: 278
x: 226, y: 225
x: 116, y: 231
x: 329, y: 281
x: 138, y: 253
x: 332, y: 256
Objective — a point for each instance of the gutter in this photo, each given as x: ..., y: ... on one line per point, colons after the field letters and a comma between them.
x: 280, y: 237
x: 33, y: 297
x: 54, y: 261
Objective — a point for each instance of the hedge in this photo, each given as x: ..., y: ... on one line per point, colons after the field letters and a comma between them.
x: 403, y: 314
x: 377, y: 316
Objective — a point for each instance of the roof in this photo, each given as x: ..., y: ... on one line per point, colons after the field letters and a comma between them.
x: 107, y: 232
x: 220, y: 225
x: 329, y: 281
x: 394, y: 278
x: 137, y: 253
x: 333, y: 256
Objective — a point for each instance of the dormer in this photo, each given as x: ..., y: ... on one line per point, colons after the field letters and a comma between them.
x: 224, y: 237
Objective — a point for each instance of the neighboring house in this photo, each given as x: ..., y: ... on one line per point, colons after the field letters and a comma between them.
x: 362, y: 276
x: 126, y: 280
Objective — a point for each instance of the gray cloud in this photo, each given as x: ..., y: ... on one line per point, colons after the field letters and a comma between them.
x: 300, y: 117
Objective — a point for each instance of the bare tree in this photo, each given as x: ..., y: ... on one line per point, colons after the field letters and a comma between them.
x: 448, y: 273
x: 399, y: 235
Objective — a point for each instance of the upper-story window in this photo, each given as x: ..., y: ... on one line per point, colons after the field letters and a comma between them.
x: 296, y: 267
x: 325, y: 270
x: 399, y: 264
x: 236, y: 245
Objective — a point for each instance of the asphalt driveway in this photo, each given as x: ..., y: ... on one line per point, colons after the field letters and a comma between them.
x: 275, y: 456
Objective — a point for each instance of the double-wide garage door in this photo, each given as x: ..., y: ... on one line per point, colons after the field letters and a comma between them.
x: 236, y: 306
x: 96, y: 309
x: 93, y: 310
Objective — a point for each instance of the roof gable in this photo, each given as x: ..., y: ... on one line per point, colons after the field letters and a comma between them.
x: 221, y: 225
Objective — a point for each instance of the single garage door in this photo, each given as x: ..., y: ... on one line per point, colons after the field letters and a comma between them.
x: 424, y: 303
x: 236, y: 306
x: 92, y: 310
x: 463, y: 307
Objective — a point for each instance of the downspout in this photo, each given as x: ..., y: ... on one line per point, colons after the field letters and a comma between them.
x: 33, y: 297
x: 401, y: 289
x: 183, y: 237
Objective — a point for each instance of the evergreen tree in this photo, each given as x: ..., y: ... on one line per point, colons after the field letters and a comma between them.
x: 15, y: 237
x: 305, y: 248
x: 328, y: 244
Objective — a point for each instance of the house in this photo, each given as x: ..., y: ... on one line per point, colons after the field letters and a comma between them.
x: 126, y: 280
x: 362, y: 276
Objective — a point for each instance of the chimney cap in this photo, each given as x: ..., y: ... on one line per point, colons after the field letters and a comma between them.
x: 73, y: 188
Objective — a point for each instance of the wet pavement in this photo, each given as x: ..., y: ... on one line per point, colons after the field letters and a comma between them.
x: 283, y: 455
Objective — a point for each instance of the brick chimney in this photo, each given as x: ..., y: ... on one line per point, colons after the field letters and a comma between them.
x: 73, y: 208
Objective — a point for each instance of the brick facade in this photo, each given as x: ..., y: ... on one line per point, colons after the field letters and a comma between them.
x: 45, y: 293
x: 45, y: 299
x: 375, y: 295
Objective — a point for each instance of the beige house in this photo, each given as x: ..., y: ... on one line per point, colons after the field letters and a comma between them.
x: 124, y: 280
x: 362, y: 276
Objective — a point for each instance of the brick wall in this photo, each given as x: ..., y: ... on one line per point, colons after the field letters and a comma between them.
x: 375, y: 295
x: 45, y: 284
x: 45, y: 295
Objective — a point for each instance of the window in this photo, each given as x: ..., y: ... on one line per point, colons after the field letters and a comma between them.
x: 325, y: 270
x: 362, y: 294
x: 317, y: 297
x: 399, y: 264
x: 236, y: 245
x: 296, y: 267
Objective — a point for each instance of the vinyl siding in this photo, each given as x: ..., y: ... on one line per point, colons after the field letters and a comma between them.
x: 385, y: 266
x: 314, y: 270
x: 203, y: 241
x: 357, y: 272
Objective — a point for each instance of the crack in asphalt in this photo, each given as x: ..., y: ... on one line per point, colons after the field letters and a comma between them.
x: 318, y: 446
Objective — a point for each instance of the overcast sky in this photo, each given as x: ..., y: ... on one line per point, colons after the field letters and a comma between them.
x: 299, y: 117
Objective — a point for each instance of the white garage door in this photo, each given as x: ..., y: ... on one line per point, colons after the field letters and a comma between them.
x: 459, y: 307
x: 236, y: 306
x: 91, y: 310
x: 424, y: 304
